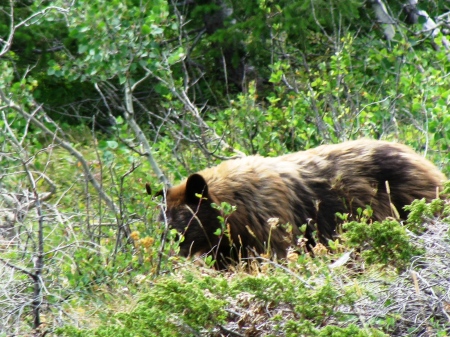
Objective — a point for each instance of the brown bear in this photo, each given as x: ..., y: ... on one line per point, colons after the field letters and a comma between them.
x: 303, y: 188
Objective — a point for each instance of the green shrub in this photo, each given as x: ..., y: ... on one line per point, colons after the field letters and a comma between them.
x: 172, y: 307
x: 385, y: 242
x: 420, y: 212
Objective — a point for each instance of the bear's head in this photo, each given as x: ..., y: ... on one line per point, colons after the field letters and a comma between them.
x: 189, y: 211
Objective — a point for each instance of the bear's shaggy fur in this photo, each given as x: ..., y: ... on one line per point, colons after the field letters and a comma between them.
x: 307, y: 187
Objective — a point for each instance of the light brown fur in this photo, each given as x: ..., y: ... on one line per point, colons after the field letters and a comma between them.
x: 298, y: 188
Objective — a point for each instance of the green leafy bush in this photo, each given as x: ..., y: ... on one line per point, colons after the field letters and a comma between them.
x: 172, y: 307
x: 421, y: 212
x: 385, y: 242
x: 192, y: 304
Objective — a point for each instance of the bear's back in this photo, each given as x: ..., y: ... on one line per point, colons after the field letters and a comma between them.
x: 312, y: 186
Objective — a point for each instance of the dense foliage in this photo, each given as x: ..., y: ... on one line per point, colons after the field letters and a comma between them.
x: 98, y: 98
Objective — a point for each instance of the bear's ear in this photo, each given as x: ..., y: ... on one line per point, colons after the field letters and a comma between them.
x: 150, y: 192
x: 195, y: 185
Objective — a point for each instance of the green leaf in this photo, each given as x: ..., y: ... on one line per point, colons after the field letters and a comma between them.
x: 145, y: 30
x: 156, y: 30
x: 82, y: 48
x: 112, y: 144
x: 119, y: 120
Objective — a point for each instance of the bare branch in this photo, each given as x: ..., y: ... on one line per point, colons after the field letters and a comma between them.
x: 22, y: 270
x: 183, y: 97
x: 8, y: 42
x: 64, y: 144
x: 129, y: 115
x: 35, y: 16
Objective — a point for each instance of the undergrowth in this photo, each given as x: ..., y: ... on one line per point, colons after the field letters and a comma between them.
x: 304, y: 296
